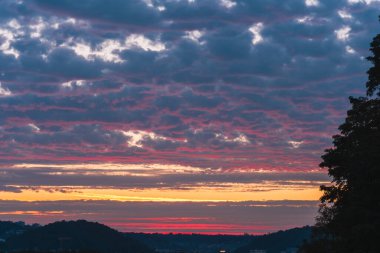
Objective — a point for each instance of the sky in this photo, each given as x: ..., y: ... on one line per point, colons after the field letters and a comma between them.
x: 184, y: 116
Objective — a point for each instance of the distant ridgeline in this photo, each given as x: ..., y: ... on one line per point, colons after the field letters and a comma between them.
x: 287, y: 241
x: 91, y: 237
x: 282, y: 241
x: 189, y: 243
x: 79, y: 235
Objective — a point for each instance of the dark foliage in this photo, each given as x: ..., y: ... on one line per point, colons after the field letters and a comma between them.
x: 193, y: 242
x: 349, y: 215
x: 279, y: 241
x: 9, y: 228
x: 373, y: 82
x: 74, y: 236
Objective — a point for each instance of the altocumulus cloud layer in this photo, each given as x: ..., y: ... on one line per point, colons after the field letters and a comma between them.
x: 175, y: 95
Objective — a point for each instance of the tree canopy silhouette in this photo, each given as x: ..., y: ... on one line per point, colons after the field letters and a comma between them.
x: 349, y: 214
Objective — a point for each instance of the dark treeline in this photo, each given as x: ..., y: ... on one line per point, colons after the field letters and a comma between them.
x: 8, y: 228
x: 73, y: 236
x: 91, y: 237
x: 193, y: 242
x: 281, y: 241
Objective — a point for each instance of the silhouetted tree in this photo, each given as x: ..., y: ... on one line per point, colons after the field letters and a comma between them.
x: 349, y: 214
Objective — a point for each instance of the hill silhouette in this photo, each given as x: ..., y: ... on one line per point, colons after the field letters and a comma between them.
x: 279, y: 241
x: 78, y: 235
x: 90, y: 237
x: 273, y: 243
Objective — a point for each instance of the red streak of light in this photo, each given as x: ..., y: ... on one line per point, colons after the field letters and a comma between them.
x: 199, y: 228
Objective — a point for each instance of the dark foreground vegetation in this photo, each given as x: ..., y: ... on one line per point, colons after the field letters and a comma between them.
x: 349, y: 215
x: 90, y: 237
x: 271, y: 243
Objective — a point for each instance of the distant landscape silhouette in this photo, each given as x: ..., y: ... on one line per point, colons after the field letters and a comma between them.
x: 91, y: 237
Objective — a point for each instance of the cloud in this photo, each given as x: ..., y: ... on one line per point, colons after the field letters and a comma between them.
x: 295, y: 144
x: 195, y: 36
x: 228, y: 3
x: 137, y: 138
x: 311, y: 2
x: 221, y: 85
x: 343, y: 33
x: 8, y: 37
x: 344, y: 14
x: 108, y: 176
x: 6, y: 188
x: 109, y: 50
x: 132, y: 13
x: 255, y: 30
x: 73, y: 83
x: 4, y: 92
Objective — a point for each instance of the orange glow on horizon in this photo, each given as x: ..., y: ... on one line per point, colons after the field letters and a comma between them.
x: 167, y: 195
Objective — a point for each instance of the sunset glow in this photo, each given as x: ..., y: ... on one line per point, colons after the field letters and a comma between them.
x: 204, y: 116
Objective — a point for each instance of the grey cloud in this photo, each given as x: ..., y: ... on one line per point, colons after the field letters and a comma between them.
x: 6, y: 188
x: 295, y: 81
x: 87, y: 177
x: 119, y: 12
